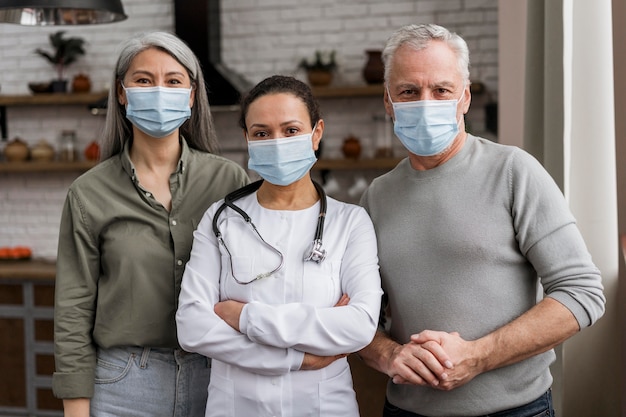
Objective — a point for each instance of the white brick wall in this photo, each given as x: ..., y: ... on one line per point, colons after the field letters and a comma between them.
x: 259, y: 39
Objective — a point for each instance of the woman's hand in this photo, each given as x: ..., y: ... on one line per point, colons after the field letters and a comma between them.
x: 229, y: 311
x: 76, y: 407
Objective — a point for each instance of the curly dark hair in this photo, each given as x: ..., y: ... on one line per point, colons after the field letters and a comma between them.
x: 281, y: 84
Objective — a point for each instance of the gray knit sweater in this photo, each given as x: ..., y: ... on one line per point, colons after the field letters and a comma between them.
x: 464, y: 247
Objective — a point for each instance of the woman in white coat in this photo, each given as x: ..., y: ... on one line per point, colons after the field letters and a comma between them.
x: 283, y: 282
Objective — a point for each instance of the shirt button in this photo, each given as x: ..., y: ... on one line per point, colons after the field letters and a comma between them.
x: 173, y: 222
x: 148, y: 195
x: 179, y: 262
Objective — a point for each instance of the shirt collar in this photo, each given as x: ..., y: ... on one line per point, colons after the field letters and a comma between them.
x: 128, y: 166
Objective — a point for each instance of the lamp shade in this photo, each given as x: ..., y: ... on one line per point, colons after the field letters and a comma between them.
x: 60, y: 12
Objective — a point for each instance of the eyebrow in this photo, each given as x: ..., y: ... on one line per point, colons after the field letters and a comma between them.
x: 147, y: 72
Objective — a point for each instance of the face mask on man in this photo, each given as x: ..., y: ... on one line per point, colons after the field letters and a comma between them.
x: 282, y: 161
x: 426, y: 127
x: 157, y: 111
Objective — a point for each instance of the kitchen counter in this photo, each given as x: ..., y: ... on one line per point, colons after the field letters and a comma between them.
x: 33, y: 270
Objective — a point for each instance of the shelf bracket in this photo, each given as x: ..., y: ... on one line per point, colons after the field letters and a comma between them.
x: 3, y: 123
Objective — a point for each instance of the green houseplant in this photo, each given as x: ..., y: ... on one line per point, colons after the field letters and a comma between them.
x: 66, y: 51
x: 320, y: 69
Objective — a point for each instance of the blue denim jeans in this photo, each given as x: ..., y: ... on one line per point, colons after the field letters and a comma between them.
x: 541, y: 407
x: 145, y: 382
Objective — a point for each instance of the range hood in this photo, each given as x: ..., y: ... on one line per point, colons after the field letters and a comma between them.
x: 198, y: 23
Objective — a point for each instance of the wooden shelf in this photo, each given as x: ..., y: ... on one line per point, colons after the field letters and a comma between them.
x: 349, y: 91
x: 355, y: 164
x: 52, y: 166
x: 51, y: 99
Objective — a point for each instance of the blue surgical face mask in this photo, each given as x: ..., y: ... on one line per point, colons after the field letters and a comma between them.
x: 157, y: 111
x: 282, y: 161
x: 426, y: 127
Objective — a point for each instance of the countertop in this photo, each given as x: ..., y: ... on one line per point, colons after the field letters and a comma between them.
x: 32, y: 269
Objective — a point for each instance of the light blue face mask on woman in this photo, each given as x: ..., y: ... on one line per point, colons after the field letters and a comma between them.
x: 426, y: 127
x: 282, y: 161
x: 157, y: 111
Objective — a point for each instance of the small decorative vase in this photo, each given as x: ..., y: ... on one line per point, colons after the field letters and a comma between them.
x: 374, y: 71
x: 16, y: 151
x: 81, y: 84
x: 351, y: 147
x: 42, y: 152
x: 319, y: 78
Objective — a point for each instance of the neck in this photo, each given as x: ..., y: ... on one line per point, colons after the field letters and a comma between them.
x: 155, y: 154
x: 296, y: 196
x: 423, y: 163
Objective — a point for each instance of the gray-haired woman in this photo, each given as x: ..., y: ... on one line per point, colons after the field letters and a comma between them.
x: 126, y: 234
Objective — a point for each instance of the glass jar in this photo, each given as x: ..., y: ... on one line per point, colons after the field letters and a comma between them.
x: 67, y: 146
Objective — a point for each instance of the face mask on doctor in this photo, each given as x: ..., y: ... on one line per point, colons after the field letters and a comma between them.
x: 426, y: 127
x: 282, y: 161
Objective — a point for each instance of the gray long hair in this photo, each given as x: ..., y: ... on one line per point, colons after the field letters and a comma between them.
x: 198, y: 131
x: 418, y: 37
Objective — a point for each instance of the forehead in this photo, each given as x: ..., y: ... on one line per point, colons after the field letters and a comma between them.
x: 276, y: 107
x: 155, y: 60
x: 435, y: 64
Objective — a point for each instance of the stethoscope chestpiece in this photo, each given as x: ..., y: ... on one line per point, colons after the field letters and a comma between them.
x: 317, y: 254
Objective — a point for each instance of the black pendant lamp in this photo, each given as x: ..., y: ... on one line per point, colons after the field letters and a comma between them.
x: 61, y: 12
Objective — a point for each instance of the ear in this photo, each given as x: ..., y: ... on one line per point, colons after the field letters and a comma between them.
x: 387, y: 103
x: 467, y: 96
x: 192, y: 97
x: 317, y: 134
x: 121, y: 94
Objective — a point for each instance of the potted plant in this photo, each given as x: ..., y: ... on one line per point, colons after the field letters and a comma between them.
x: 66, y: 51
x: 320, y: 69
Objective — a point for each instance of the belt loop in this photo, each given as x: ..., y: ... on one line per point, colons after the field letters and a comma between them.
x: 144, y: 357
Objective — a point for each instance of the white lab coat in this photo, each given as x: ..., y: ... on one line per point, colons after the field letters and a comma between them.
x: 255, y: 372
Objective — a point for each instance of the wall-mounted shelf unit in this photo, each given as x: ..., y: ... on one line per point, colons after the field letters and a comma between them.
x: 44, y: 99
x: 369, y: 90
x: 356, y: 164
x: 52, y: 166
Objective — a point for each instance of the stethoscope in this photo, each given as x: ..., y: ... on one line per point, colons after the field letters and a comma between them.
x: 316, y: 253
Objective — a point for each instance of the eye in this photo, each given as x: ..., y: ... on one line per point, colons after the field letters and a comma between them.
x: 292, y: 131
x: 260, y: 134
x: 142, y: 81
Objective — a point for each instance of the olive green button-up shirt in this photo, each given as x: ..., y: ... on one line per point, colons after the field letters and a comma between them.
x: 121, y: 258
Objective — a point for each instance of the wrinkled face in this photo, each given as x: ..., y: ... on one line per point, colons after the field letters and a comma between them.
x: 428, y: 74
x: 155, y: 68
x: 280, y: 115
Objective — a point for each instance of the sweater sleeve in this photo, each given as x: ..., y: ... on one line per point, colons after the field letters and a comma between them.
x: 550, y: 239
x: 329, y: 330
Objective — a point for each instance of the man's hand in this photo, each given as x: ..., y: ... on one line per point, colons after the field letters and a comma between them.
x: 466, y: 362
x: 411, y: 363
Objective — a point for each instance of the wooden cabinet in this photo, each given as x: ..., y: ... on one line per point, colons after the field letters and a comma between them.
x: 26, y: 331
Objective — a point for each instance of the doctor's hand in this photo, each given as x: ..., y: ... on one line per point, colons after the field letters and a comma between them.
x: 466, y: 366
x: 229, y: 311
x: 313, y: 362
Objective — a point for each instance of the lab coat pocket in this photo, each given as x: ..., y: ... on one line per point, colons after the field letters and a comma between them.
x: 337, y: 397
x: 321, y: 283
x: 221, y: 395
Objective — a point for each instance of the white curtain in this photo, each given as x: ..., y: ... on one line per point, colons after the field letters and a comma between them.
x: 568, y: 124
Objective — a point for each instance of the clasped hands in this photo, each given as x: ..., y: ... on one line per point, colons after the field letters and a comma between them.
x: 433, y: 358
